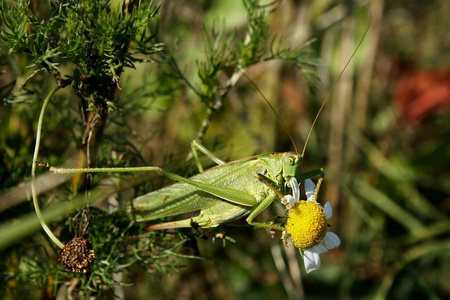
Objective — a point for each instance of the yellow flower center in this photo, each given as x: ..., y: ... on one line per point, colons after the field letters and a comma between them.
x: 306, y: 224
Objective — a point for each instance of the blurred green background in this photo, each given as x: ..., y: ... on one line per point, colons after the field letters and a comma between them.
x: 382, y: 140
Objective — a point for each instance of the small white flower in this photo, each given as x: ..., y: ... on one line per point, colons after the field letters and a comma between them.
x: 307, y: 225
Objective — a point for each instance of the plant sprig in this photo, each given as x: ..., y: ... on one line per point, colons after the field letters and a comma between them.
x: 225, y: 52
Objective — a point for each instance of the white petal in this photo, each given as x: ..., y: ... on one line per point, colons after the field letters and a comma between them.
x: 295, y: 188
x: 290, y: 199
x: 328, y: 210
x: 320, y: 248
x: 311, y: 260
x: 331, y: 240
x: 310, y: 189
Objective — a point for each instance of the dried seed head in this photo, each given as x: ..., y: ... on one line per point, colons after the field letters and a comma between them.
x: 77, y: 255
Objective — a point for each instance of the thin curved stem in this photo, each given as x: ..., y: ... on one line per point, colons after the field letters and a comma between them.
x: 33, y: 169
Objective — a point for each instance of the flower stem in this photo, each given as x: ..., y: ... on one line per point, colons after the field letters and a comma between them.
x: 33, y: 169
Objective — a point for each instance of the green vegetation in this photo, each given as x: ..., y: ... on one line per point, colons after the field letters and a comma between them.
x: 138, y: 81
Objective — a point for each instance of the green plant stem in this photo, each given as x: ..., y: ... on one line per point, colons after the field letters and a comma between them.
x: 33, y: 169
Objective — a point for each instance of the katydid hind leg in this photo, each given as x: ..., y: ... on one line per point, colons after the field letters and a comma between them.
x: 196, y: 145
x: 232, y: 195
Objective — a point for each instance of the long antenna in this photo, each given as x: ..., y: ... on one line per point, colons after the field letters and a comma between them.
x: 273, y: 109
x: 335, y: 83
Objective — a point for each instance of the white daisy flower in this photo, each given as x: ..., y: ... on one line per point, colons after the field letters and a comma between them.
x: 307, y: 225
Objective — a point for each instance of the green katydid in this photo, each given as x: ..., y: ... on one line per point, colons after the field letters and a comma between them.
x: 221, y: 194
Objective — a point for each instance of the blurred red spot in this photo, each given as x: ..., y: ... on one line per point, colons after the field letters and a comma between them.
x: 422, y: 94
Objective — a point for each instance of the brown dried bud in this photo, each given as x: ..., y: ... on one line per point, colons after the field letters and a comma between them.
x: 77, y: 255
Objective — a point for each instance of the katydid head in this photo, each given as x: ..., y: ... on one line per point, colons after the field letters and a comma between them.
x: 291, y: 166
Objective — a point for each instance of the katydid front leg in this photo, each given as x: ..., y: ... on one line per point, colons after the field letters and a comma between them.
x: 277, y: 193
x: 259, y: 209
x: 265, y: 203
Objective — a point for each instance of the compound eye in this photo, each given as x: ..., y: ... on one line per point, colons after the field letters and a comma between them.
x: 290, y: 161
